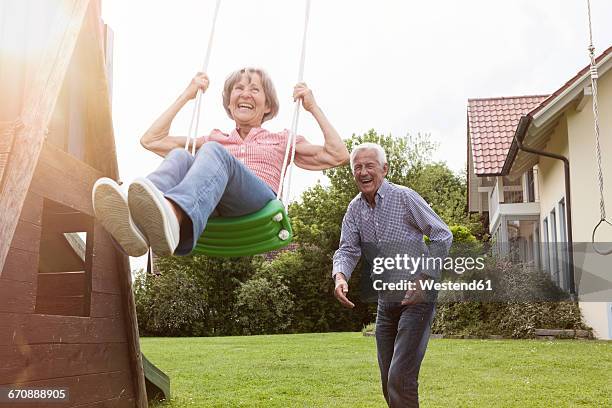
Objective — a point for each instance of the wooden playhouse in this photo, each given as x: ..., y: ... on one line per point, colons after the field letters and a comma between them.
x: 67, y: 314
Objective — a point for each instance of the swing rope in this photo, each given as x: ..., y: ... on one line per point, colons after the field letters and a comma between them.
x: 195, y: 115
x: 283, y: 193
x: 600, y: 179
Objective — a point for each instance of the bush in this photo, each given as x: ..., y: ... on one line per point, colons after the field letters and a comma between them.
x: 521, y: 319
x: 192, y: 296
x: 307, y: 274
x: 462, y: 234
x: 171, y: 304
x: 524, y: 300
x: 263, y: 306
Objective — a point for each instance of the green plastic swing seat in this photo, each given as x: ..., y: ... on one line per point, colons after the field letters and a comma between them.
x: 265, y: 230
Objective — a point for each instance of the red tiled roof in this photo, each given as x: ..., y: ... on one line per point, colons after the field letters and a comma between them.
x: 492, y: 123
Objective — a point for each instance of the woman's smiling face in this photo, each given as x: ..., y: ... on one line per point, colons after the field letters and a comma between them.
x: 247, y: 102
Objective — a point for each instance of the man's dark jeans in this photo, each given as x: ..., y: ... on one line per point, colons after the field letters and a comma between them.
x: 402, y: 333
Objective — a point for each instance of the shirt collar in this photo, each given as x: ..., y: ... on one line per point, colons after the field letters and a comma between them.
x: 252, y: 133
x: 384, y: 188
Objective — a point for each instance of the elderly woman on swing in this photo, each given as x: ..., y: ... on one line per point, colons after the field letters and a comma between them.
x: 233, y: 174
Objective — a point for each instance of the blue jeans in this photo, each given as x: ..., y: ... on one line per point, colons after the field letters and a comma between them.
x: 402, y: 333
x: 213, y: 181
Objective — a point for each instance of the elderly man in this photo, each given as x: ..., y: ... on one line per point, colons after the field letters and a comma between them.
x: 382, y: 216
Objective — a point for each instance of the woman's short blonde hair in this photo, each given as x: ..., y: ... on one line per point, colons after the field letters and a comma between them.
x: 266, y: 82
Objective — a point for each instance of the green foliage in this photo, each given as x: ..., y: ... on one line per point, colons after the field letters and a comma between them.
x: 170, y: 304
x: 462, y: 235
x: 520, y: 319
x: 263, y: 306
x: 523, y: 300
x: 192, y: 296
x: 307, y: 274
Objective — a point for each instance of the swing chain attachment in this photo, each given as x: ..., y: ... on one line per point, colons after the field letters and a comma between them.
x: 600, y: 179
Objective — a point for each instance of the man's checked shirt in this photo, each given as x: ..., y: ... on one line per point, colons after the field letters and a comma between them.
x: 400, y: 219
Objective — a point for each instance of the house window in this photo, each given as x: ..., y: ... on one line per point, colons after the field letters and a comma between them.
x: 520, y: 241
x: 554, y: 253
x: 530, y: 186
x: 563, y: 246
x: 536, y: 245
x: 513, y: 190
x: 545, y: 257
x: 64, y: 267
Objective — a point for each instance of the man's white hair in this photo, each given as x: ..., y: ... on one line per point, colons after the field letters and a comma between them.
x: 380, y: 152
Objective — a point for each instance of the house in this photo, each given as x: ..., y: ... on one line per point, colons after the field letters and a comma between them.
x: 67, y: 314
x: 532, y: 174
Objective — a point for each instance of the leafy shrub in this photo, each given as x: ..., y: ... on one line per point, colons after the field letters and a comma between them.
x: 307, y: 274
x: 192, y: 296
x: 263, y: 306
x: 171, y: 304
x: 462, y: 234
x: 524, y: 300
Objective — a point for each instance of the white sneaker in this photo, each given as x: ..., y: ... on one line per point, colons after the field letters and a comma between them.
x: 111, y: 210
x: 154, y: 216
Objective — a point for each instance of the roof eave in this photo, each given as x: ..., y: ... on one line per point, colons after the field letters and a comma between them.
x: 495, y: 174
x: 550, y: 109
x: 553, y: 107
x: 520, y: 133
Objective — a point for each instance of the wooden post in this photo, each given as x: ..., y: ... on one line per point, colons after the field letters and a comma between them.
x: 133, y: 337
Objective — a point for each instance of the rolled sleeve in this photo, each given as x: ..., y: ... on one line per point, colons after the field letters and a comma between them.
x: 349, y: 250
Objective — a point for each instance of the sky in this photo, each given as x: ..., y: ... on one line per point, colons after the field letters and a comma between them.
x: 397, y: 66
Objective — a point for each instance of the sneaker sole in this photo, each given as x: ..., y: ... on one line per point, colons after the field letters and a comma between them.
x: 112, y: 211
x: 149, y: 216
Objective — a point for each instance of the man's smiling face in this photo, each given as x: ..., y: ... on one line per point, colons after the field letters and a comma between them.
x: 368, y: 172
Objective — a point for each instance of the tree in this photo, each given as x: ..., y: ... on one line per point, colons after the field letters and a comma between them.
x: 192, y: 296
x: 263, y: 306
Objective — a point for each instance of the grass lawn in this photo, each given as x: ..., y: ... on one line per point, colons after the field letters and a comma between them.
x: 340, y: 370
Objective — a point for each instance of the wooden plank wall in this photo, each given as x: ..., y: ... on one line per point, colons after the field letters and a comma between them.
x: 7, y: 129
x: 89, y: 355
x: 36, y: 93
x: 36, y: 112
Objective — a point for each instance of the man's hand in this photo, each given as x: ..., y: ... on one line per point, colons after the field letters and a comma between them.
x: 418, y: 295
x: 301, y: 91
x: 199, y: 82
x: 341, y: 290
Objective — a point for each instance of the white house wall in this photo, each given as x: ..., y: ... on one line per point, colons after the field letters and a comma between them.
x: 585, y: 189
x: 583, y: 163
x: 551, y: 175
